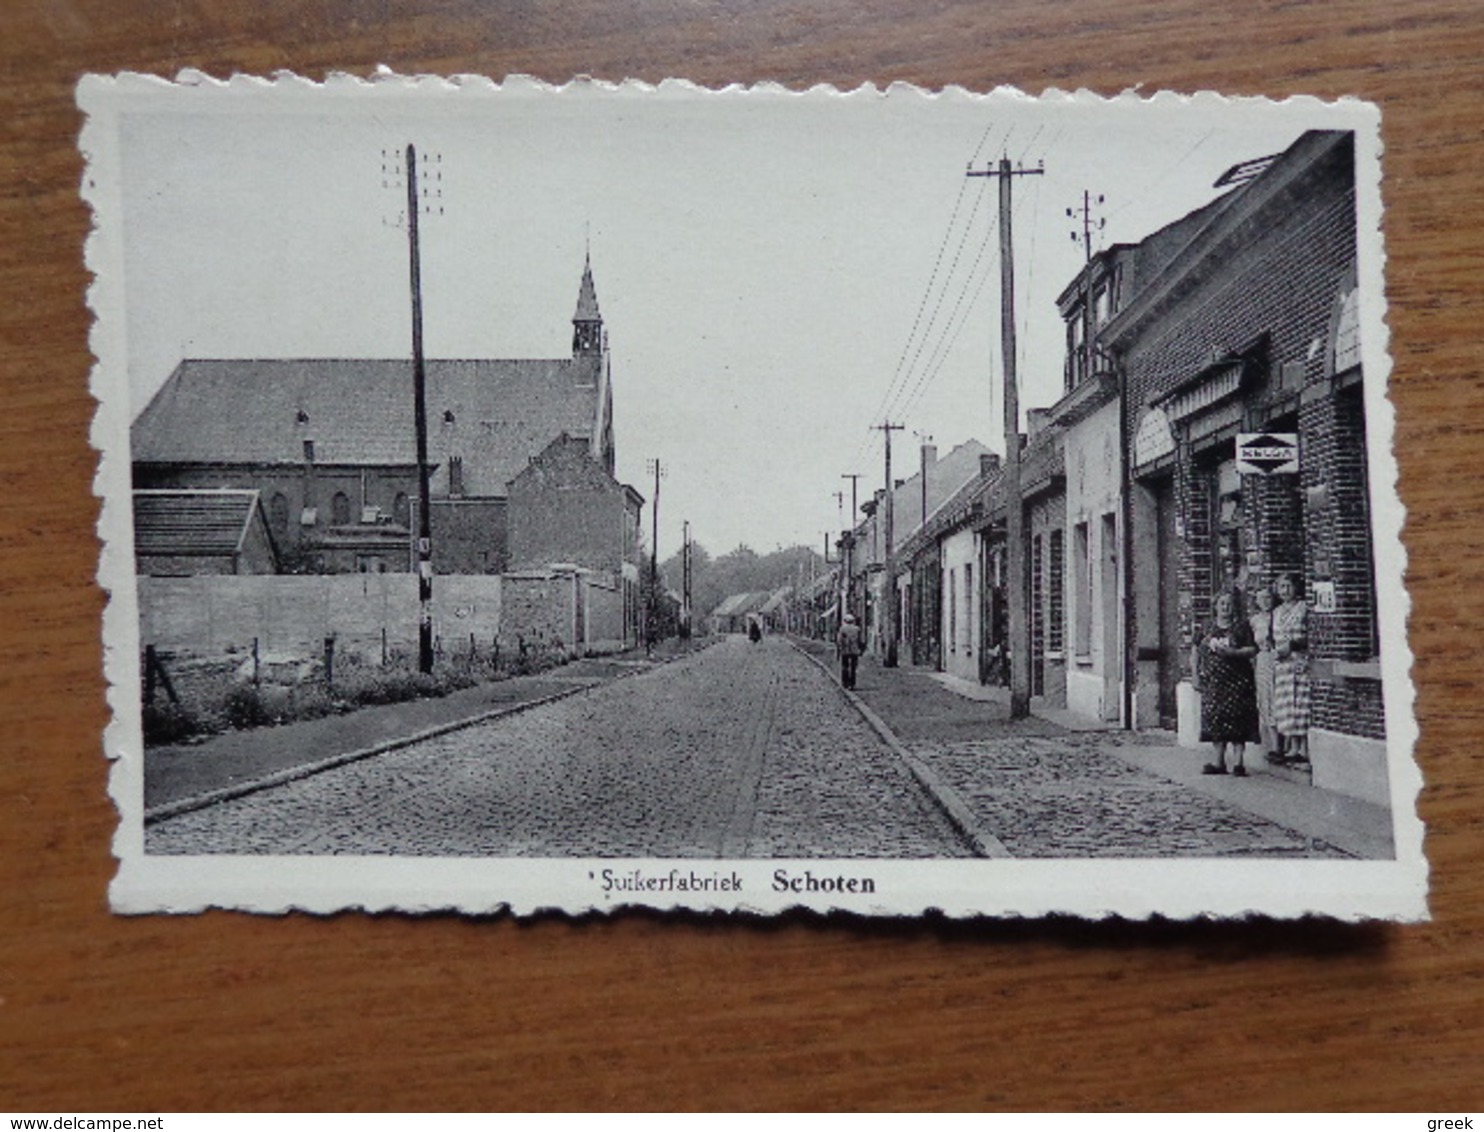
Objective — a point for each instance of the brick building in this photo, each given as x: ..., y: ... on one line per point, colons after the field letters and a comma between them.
x: 1244, y: 320
x: 330, y: 446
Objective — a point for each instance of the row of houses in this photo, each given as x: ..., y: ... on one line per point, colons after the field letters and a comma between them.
x: 309, y: 467
x: 1240, y: 319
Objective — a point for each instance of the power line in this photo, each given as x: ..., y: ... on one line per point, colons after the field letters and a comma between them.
x: 900, y: 377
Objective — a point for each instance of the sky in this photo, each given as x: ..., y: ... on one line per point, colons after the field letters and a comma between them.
x: 777, y: 272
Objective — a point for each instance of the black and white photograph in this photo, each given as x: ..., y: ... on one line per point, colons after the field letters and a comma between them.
x: 523, y: 498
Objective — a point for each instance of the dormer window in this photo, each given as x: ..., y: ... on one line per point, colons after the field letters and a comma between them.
x: 448, y: 416
x: 301, y: 417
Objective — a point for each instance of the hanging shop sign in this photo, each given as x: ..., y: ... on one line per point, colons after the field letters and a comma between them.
x: 1267, y: 453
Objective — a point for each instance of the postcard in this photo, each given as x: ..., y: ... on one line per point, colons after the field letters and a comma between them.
x: 524, y: 498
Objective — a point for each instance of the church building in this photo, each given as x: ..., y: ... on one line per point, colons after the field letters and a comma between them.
x: 329, y: 444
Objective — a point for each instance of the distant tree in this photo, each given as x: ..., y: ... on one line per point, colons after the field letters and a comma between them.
x: 741, y: 570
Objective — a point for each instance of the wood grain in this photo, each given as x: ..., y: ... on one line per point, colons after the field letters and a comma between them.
x: 231, y: 1011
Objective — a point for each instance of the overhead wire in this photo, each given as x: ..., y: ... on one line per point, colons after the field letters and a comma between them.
x: 920, y: 334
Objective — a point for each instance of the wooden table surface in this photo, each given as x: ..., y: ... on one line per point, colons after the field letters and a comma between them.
x: 232, y: 1011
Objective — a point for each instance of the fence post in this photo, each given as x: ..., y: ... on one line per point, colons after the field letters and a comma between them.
x: 330, y: 661
x: 256, y: 663
x: 154, y: 670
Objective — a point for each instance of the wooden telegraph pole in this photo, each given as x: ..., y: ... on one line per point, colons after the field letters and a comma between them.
x: 849, y: 540
x: 420, y: 410
x: 1015, y: 542
x: 889, y: 594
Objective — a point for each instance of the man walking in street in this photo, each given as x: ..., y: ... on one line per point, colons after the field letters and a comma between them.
x: 848, y: 649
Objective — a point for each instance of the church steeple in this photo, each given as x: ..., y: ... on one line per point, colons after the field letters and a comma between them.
x: 587, y: 323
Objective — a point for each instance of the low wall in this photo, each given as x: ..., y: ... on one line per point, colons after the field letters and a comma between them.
x: 293, y: 614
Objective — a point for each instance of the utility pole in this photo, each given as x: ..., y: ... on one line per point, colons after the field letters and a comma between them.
x: 685, y: 580
x: 854, y: 501
x: 1015, y: 548
x: 889, y: 595
x: 849, y: 556
x: 651, y: 634
x: 1089, y: 315
x: 420, y: 410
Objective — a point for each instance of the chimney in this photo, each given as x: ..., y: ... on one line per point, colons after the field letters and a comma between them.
x: 989, y: 463
x: 929, y: 455
x: 1036, y: 421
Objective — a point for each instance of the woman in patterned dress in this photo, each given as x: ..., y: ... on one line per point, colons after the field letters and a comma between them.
x: 1291, y: 670
x: 1228, y: 694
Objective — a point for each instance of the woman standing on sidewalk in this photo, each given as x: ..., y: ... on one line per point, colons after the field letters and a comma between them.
x: 848, y: 649
x: 1262, y: 671
x: 1223, y: 665
x: 1291, y: 671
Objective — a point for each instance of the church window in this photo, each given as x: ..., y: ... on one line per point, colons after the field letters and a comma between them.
x: 278, y: 514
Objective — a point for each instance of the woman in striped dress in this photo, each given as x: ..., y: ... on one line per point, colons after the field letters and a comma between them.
x: 1291, y: 670
x: 1262, y: 671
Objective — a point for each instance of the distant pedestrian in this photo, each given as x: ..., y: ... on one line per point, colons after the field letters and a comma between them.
x: 1291, y: 671
x: 1263, y: 666
x: 1228, y: 695
x: 848, y: 646
x: 754, y: 631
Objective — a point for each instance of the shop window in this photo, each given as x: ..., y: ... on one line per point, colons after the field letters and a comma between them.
x: 340, y: 509
x: 1056, y: 570
x: 400, y: 512
x: 1229, y: 544
x: 968, y: 610
x: 953, y: 611
x: 1081, y: 591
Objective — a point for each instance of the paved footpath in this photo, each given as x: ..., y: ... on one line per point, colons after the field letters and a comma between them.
x: 738, y: 751
x: 1034, y: 788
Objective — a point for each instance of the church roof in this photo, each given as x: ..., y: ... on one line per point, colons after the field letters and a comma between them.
x: 494, y: 414
x: 587, y: 297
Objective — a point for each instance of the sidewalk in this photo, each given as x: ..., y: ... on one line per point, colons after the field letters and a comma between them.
x: 917, y: 706
x: 182, y: 777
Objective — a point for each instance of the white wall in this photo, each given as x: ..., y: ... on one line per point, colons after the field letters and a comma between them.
x: 960, y: 630
x: 1093, y: 606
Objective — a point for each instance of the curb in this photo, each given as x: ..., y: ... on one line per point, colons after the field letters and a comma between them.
x: 167, y: 810
x: 947, y: 799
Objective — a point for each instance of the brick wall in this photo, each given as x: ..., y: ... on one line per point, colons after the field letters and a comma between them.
x: 565, y: 507
x: 1271, y: 297
x: 469, y: 536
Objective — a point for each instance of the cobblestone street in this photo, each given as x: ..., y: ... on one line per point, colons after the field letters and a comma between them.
x: 740, y: 751
x: 737, y: 751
